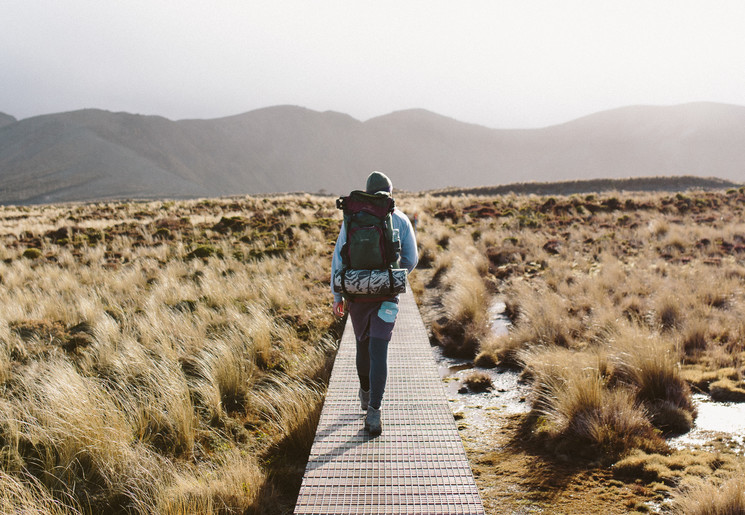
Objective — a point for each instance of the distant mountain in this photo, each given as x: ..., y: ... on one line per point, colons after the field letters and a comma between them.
x: 93, y: 154
x: 6, y: 119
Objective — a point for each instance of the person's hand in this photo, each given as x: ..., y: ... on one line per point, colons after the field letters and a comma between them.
x: 339, y: 308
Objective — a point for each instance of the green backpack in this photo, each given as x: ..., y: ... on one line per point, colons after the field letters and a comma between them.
x: 372, y: 243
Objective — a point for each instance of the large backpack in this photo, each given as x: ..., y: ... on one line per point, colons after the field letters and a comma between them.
x: 370, y: 256
x: 372, y: 244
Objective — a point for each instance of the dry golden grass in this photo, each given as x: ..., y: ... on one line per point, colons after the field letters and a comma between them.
x: 707, y: 498
x: 24, y: 494
x: 170, y: 357
x: 678, y: 469
x: 577, y: 410
x: 728, y: 390
x: 156, y: 357
x: 458, y: 274
x: 620, y: 304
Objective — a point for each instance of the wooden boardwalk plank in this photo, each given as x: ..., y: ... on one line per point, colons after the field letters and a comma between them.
x: 417, y: 466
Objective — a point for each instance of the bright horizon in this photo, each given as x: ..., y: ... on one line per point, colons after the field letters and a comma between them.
x: 501, y: 64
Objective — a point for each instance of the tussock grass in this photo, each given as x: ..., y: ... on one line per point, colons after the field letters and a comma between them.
x: 620, y: 304
x: 478, y: 381
x: 291, y: 410
x: 71, y: 436
x: 464, y: 300
x: 650, y: 367
x: 24, y: 494
x: 577, y: 412
x: 137, y: 376
x: 706, y: 498
x: 694, y: 338
x: 668, y: 313
x: 676, y: 469
x: 727, y: 390
x: 228, y: 485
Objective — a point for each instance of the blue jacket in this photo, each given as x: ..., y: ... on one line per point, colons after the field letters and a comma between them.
x: 409, y: 255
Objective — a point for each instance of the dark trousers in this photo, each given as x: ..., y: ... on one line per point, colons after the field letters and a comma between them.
x: 372, y: 335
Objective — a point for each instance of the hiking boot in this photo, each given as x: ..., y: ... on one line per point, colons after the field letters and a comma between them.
x: 373, y: 424
x: 364, y: 399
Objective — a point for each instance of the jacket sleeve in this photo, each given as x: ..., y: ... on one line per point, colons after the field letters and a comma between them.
x: 336, y: 260
x: 409, y: 253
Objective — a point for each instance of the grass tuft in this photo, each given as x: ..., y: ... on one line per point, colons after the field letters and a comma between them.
x: 727, y: 390
x: 478, y: 381
x: 707, y: 498
x: 574, y: 408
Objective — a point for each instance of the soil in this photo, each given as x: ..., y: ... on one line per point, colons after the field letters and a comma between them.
x: 513, y: 479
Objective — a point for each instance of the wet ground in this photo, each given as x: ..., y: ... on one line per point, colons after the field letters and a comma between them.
x: 717, y: 422
x: 517, y: 483
x: 507, y: 395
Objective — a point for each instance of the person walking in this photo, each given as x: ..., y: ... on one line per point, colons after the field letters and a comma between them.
x: 373, y: 318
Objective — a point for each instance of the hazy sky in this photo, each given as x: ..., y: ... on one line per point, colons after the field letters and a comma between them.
x: 503, y: 64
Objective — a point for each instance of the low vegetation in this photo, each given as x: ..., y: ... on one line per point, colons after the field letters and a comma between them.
x: 163, y: 357
x: 707, y: 498
x: 171, y: 357
x: 622, y: 305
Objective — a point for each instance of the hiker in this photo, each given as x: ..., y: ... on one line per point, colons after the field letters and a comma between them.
x: 373, y: 313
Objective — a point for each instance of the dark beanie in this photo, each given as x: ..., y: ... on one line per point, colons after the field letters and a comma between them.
x: 377, y: 181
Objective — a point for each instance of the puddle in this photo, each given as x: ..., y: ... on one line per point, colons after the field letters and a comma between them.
x: 507, y: 395
x: 500, y: 324
x: 717, y: 422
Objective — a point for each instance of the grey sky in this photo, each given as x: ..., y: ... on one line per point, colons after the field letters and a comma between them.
x: 504, y: 64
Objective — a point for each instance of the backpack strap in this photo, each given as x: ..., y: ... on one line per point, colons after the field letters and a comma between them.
x: 343, y: 287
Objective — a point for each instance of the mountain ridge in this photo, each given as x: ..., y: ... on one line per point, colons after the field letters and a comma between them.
x: 94, y: 154
x: 6, y: 119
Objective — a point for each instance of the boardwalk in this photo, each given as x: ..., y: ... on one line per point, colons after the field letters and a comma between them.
x: 417, y: 466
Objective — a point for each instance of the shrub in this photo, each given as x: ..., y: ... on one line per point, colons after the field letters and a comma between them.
x: 32, y: 253
x: 204, y: 252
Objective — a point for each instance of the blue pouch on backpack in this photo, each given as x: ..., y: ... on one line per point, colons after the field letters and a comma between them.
x: 388, y: 311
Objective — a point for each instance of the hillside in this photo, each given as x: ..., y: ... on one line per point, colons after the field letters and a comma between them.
x: 633, y: 184
x: 94, y: 154
x: 6, y: 119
